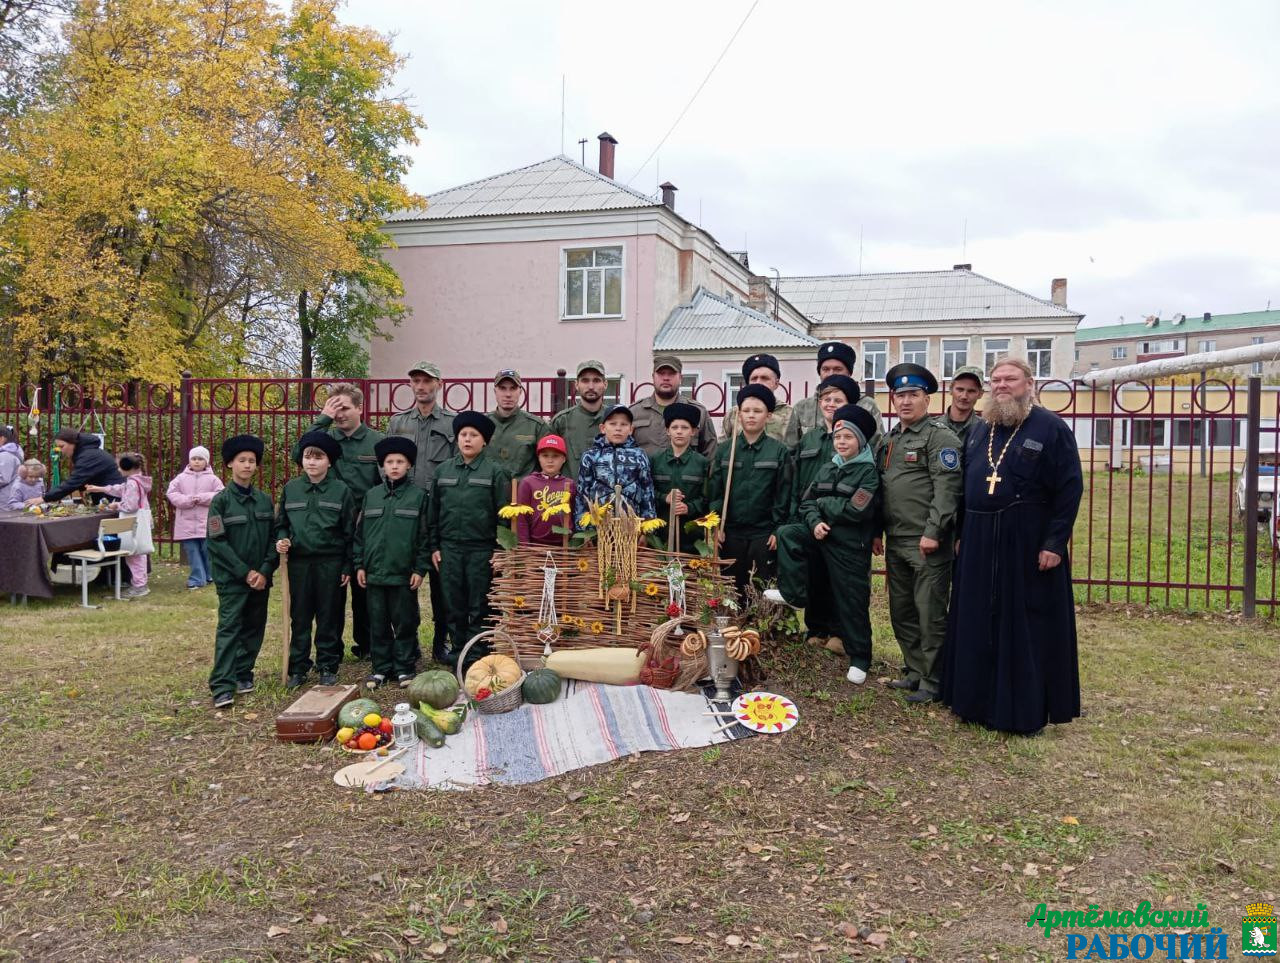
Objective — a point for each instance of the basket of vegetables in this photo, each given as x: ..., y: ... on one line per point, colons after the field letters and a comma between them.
x: 493, y: 682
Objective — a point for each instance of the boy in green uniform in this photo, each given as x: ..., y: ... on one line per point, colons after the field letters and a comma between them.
x: 579, y: 424
x: 838, y: 521
x: 391, y: 559
x: 463, y: 531
x: 242, y: 557
x: 811, y: 455
x: 759, y: 496
x: 315, y: 524
x: 357, y: 468
x: 921, y: 483
x: 515, y: 431
x: 680, y: 473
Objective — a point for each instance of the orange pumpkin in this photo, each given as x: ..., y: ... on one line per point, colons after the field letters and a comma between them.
x: 495, y: 672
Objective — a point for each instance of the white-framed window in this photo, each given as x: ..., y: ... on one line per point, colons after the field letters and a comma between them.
x: 915, y: 351
x: 1160, y: 347
x: 1208, y: 344
x: 1120, y: 352
x: 1256, y: 367
x: 732, y: 381
x: 591, y: 282
x: 875, y: 359
x: 992, y: 350
x: 612, y: 390
x: 688, y: 381
x: 1148, y: 433
x: 1094, y: 366
x: 1040, y: 356
x: 955, y: 354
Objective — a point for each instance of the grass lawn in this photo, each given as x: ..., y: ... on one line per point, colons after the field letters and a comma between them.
x: 140, y: 825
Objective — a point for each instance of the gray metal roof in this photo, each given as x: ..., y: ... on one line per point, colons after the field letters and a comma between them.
x: 957, y: 295
x: 555, y: 185
x: 710, y: 322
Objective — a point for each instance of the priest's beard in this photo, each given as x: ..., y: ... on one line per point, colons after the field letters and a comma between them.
x: 1012, y: 411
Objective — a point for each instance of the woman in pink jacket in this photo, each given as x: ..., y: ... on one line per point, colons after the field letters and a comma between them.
x: 190, y: 493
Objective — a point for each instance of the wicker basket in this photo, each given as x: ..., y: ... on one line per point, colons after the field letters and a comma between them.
x: 504, y: 701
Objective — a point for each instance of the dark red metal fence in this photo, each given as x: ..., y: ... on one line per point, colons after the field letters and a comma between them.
x: 1166, y: 487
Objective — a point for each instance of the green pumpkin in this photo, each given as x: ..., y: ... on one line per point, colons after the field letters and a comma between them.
x: 436, y: 688
x: 541, y: 686
x: 352, y: 714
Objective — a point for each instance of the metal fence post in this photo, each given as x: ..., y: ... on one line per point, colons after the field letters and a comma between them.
x: 1252, y: 424
x: 185, y: 413
x: 559, y: 391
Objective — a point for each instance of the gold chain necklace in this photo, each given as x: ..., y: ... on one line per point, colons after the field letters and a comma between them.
x: 994, y: 478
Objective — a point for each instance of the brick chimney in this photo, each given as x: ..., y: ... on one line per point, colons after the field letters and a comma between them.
x: 669, y: 194
x: 607, y: 144
x: 1058, y: 292
x: 759, y: 294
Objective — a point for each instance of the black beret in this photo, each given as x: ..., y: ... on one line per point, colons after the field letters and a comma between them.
x: 837, y: 351
x: 760, y: 361
x: 842, y: 383
x: 906, y: 376
x: 862, y: 421
x: 474, y: 419
x: 760, y: 393
x: 238, y: 443
x: 396, y: 445
x: 683, y: 411
x: 322, y: 440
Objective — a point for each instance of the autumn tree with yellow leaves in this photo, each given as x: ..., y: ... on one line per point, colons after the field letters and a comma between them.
x: 195, y: 178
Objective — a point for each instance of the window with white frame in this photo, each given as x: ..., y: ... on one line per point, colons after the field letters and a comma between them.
x: 875, y: 359
x: 992, y: 350
x: 732, y: 382
x: 915, y: 351
x: 613, y: 390
x: 1040, y: 356
x: 1160, y: 347
x: 955, y: 354
x: 1208, y: 344
x: 1120, y: 352
x: 1256, y: 369
x: 592, y: 285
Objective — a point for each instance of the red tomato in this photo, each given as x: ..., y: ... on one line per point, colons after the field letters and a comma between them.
x: 483, y: 692
x: 385, y: 726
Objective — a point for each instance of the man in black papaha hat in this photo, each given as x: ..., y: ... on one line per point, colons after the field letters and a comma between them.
x: 834, y: 358
x: 763, y: 370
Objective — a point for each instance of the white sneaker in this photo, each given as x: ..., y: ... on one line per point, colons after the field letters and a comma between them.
x: 135, y: 592
x: 775, y: 596
x: 856, y: 675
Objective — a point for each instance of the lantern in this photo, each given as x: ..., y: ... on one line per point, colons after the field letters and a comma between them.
x: 403, y: 726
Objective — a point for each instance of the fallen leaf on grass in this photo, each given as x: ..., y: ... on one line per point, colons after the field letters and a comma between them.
x: 275, y: 931
x: 680, y: 818
x: 847, y: 930
x: 1030, y: 870
x: 681, y: 940
x: 437, y: 949
x: 733, y: 940
x: 1070, y: 820
x: 500, y: 926
x: 319, y: 919
x: 450, y: 930
x: 878, y: 940
x: 250, y: 716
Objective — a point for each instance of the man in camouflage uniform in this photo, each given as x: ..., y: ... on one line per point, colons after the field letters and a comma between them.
x: 763, y: 369
x: 579, y: 424
x: 516, y: 432
x: 921, y: 485
x: 966, y: 390
x: 429, y: 425
x: 834, y: 358
x: 649, y: 429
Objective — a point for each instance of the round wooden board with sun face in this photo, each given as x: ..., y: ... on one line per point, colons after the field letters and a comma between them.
x: 765, y: 712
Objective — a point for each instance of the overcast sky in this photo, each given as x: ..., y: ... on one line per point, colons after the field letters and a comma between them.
x: 1132, y: 148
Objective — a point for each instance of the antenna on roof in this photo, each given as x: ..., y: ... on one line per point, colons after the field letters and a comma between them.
x: 1178, y: 318
x: 583, y: 144
x: 1151, y: 321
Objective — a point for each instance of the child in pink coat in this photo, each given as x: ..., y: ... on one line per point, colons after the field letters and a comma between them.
x: 190, y: 494
x: 134, y: 494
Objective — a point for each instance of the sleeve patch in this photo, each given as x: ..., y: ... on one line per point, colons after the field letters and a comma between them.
x: 950, y: 459
x: 861, y: 498
x: 215, y: 525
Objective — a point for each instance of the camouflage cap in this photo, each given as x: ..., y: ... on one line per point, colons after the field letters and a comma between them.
x: 668, y: 361
x: 507, y: 374
x: 590, y: 365
x: 426, y: 368
x: 969, y: 371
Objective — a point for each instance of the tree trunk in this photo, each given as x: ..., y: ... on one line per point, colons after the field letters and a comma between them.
x: 304, y: 329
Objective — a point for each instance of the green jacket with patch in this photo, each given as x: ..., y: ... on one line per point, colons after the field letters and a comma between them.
x: 920, y: 479
x: 240, y: 537
x: 514, y: 439
x: 357, y: 468
x: 687, y: 472
x: 844, y: 496
x: 318, y: 519
x: 431, y: 434
x: 760, y: 498
x: 465, y: 502
x: 391, y: 534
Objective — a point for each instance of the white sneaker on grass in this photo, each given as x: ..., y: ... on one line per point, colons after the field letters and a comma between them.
x: 856, y: 675
x: 775, y: 596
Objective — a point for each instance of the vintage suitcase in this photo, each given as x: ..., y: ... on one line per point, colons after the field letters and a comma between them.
x: 314, y: 716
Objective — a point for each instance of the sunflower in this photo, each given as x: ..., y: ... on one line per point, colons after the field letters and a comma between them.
x: 583, y: 565
x: 695, y: 563
x: 708, y: 521
x: 597, y: 627
x: 511, y: 511
x: 651, y: 525
x: 550, y: 511
x: 651, y: 589
x: 519, y: 600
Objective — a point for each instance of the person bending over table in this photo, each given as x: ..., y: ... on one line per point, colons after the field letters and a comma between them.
x: 90, y: 465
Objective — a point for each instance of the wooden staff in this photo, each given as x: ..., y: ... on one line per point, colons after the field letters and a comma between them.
x: 672, y: 541
x: 728, y: 487
x: 284, y: 602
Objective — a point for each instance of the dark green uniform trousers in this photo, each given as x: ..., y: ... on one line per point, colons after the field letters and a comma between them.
x: 819, y: 614
x: 919, y: 588
x: 465, y: 576
x: 751, y: 559
x: 844, y: 590
x: 315, y: 597
x: 242, y: 618
x: 393, y: 629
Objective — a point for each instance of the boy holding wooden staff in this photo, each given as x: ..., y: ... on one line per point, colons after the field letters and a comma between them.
x: 680, y: 475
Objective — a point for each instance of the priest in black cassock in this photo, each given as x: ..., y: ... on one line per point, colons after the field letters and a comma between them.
x: 1009, y: 661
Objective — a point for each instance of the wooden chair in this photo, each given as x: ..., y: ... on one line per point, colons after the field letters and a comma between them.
x: 108, y: 526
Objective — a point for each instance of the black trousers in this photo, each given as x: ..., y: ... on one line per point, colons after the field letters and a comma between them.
x: 751, y: 559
